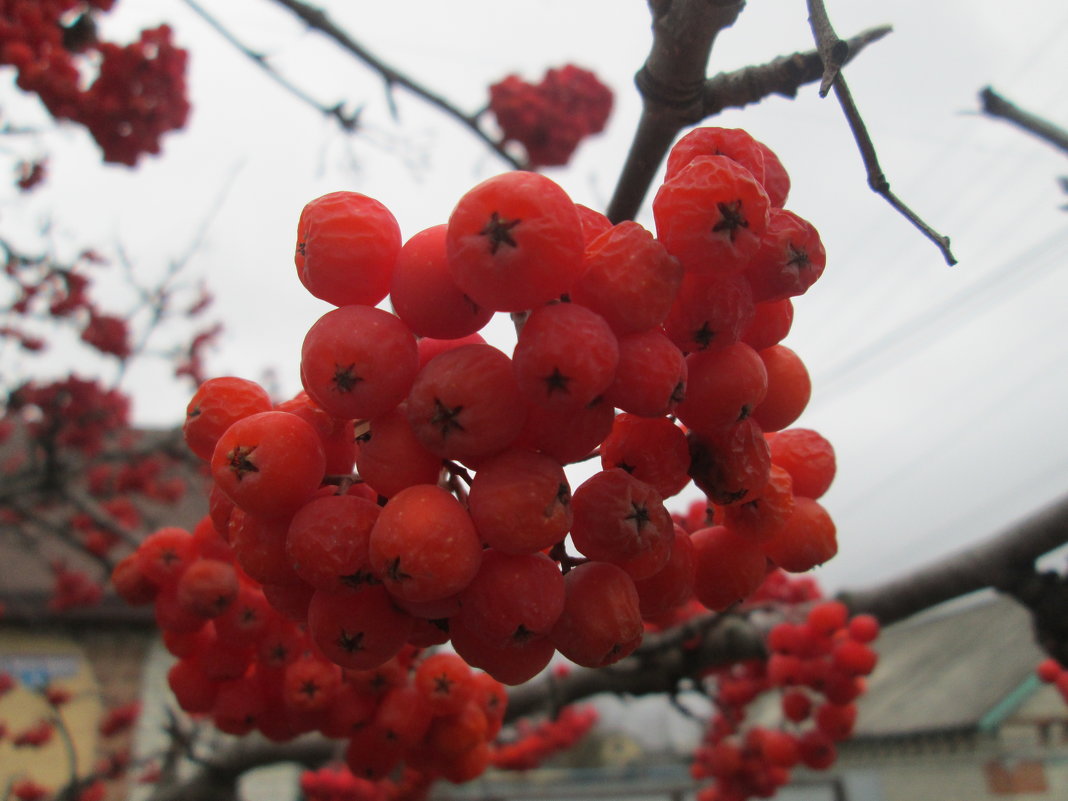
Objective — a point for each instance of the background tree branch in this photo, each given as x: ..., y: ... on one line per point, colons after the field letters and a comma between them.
x: 995, y: 105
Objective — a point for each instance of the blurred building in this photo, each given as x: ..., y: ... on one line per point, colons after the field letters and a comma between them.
x: 96, y: 653
x: 953, y: 712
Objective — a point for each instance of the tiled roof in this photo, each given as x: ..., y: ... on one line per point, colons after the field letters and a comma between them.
x: 950, y: 668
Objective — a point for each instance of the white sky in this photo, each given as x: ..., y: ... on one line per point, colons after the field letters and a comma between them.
x: 941, y: 388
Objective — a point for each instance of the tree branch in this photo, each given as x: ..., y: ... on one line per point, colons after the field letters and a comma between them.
x: 998, y: 562
x: 995, y: 105
x: 671, y: 84
x: 316, y: 19
x: 834, y: 52
x: 783, y: 76
x: 657, y: 666
x: 348, y: 122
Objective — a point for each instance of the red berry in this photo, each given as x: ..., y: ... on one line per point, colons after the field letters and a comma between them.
x: 466, y: 404
x: 520, y: 502
x: 629, y: 279
x: 217, y: 403
x: 711, y: 215
x: 552, y: 367
x: 424, y: 294
x: 807, y: 456
x: 601, y: 622
x: 618, y: 518
x: 269, y: 463
x: 515, y: 242
x: 358, y: 628
x: 347, y: 245
x: 423, y: 545
x: 727, y: 568
x: 358, y: 362
x: 789, y: 389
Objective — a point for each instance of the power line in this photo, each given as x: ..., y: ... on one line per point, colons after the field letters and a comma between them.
x: 1009, y: 278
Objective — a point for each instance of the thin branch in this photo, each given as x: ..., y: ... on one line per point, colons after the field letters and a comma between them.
x: 995, y: 105
x: 316, y: 19
x: 657, y: 666
x: 348, y: 122
x: 782, y: 76
x: 834, y: 51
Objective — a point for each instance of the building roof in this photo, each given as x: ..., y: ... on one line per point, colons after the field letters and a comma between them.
x: 26, y: 578
x: 960, y: 667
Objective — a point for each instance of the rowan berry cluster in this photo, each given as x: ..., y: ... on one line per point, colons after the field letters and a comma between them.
x: 137, y: 93
x: 517, y: 566
x: 416, y: 492
x: 551, y: 118
x: 817, y: 667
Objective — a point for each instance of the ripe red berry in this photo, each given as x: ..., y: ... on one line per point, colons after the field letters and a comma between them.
x: 327, y: 541
x: 358, y: 361
x: 672, y: 585
x: 358, y: 628
x: 551, y: 370
x: 732, y: 464
x: 465, y: 403
x: 217, y: 403
x: 650, y: 377
x: 347, y: 245
x: 618, y: 518
x: 791, y: 258
x: 520, y: 502
x: 808, y: 539
x: 723, y: 387
x: 760, y: 517
x: 207, y: 587
x: 1048, y: 670
x: 711, y: 215
x: 808, y: 457
x: 515, y: 242
x: 727, y: 568
x: 391, y: 457
x: 269, y: 463
x: 652, y: 449
x: 789, y: 389
x: 711, y: 310
x: 512, y: 598
x: 629, y: 279
x: 864, y: 628
x: 601, y: 622
x: 770, y: 324
x: 424, y: 294
x: 423, y: 545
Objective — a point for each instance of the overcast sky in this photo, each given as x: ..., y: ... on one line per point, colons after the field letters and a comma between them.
x: 942, y: 389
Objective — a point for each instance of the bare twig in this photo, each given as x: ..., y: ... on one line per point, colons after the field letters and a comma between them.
x: 995, y: 105
x: 876, y: 178
x: 676, y: 94
x: 317, y: 20
x: 783, y: 76
x: 348, y: 122
x: 834, y: 52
